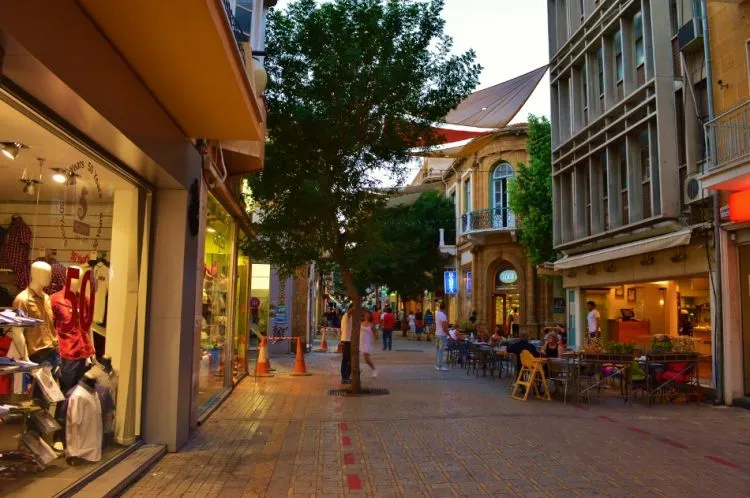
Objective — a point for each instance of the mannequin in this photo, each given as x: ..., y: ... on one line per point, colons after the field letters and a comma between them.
x: 38, y: 343
x: 76, y: 349
x: 83, y: 422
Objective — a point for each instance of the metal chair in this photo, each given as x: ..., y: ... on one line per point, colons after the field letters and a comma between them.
x: 561, y: 373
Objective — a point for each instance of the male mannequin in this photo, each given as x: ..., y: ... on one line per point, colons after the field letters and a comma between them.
x: 83, y: 422
x: 75, y: 345
x: 39, y: 343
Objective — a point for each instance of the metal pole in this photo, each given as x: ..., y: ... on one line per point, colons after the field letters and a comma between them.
x: 719, y: 318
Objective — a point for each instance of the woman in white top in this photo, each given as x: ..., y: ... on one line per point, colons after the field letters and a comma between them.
x: 412, y: 322
x: 367, y: 337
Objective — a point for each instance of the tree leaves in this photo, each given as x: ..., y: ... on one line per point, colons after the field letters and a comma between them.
x: 531, y: 193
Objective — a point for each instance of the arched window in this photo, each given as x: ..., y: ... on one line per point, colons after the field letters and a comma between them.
x: 501, y: 214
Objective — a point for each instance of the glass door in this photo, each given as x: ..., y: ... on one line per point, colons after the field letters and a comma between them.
x: 501, y: 217
x: 500, y: 312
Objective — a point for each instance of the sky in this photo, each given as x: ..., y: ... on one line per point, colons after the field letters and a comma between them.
x: 509, y: 37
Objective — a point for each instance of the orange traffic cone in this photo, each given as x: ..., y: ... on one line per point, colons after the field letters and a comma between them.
x: 324, y: 343
x: 263, y: 367
x: 340, y: 348
x: 300, y: 370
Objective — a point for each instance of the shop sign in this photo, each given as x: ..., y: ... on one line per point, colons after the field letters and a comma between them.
x: 739, y: 206
x: 508, y: 277
x: 450, y: 282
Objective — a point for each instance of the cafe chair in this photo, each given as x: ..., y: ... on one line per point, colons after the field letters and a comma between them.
x: 530, y: 376
x: 561, y: 373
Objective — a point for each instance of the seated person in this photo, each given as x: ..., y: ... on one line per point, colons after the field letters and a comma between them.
x: 498, y: 337
x: 522, y: 345
x: 551, y: 345
x: 455, y: 334
x: 482, y: 335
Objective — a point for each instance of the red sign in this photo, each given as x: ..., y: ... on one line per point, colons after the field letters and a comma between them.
x: 739, y: 206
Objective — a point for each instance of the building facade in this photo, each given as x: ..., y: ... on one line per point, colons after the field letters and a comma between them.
x: 629, y: 97
x: 495, y: 279
x: 728, y: 172
x: 132, y: 188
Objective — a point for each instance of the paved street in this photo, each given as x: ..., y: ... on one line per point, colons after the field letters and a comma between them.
x: 447, y: 434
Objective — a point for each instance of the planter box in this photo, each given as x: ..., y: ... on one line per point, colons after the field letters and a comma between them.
x: 671, y: 357
x: 607, y: 357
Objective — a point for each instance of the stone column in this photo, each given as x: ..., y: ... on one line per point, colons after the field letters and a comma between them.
x: 532, y: 323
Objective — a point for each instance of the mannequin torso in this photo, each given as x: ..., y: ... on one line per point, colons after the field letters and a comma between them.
x: 39, y: 340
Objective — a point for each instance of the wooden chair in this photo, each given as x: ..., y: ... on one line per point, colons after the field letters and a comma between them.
x: 530, y: 375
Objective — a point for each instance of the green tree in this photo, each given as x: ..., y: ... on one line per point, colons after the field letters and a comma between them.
x: 353, y: 86
x: 531, y: 193
x: 404, y: 253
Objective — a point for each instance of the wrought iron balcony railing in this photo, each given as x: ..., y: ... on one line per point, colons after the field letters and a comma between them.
x: 499, y: 218
x: 728, y: 137
x: 239, y: 36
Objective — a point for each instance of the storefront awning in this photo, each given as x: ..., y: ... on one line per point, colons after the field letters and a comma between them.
x: 186, y: 54
x: 681, y: 238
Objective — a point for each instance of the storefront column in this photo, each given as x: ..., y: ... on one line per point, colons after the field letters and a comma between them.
x: 575, y: 319
x: 172, y: 312
x: 734, y: 382
x: 124, y: 345
x: 530, y: 281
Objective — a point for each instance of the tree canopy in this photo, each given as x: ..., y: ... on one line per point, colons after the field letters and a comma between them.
x: 531, y: 193
x: 403, y: 252
x: 353, y: 86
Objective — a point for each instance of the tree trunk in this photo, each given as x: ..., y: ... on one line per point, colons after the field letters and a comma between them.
x: 353, y: 293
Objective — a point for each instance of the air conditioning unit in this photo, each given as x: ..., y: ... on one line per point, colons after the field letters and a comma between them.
x: 693, y: 191
x: 690, y: 36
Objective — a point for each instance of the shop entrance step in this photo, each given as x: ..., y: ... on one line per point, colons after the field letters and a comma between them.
x: 115, y: 480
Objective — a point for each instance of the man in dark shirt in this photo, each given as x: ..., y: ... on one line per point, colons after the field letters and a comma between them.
x: 522, y: 345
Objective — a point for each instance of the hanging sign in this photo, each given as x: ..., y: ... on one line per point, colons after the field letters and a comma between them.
x: 508, y: 277
x: 450, y: 282
x: 739, y: 206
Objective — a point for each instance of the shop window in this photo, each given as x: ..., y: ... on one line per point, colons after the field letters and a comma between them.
x: 217, y: 304
x: 242, y: 306
x: 72, y: 257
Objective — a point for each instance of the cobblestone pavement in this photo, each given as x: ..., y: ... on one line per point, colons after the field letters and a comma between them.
x: 447, y: 434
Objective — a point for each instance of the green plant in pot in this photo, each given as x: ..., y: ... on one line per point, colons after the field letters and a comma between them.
x: 661, y: 344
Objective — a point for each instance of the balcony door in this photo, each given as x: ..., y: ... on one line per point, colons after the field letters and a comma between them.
x: 502, y: 217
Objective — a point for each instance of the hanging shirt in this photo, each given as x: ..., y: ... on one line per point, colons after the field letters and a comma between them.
x: 15, y: 253
x: 83, y: 424
x: 59, y: 272
x: 73, y: 341
x: 101, y: 278
x: 37, y: 306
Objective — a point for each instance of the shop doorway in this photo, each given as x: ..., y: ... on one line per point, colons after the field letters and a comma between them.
x: 744, y: 253
x: 507, y: 311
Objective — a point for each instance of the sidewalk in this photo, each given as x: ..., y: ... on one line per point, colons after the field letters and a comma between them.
x: 446, y: 434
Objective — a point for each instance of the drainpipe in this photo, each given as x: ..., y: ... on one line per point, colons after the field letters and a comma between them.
x: 719, y: 318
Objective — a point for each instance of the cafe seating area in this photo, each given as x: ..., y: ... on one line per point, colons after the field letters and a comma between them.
x: 664, y: 371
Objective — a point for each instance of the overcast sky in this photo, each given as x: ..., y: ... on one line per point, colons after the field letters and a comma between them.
x: 509, y: 37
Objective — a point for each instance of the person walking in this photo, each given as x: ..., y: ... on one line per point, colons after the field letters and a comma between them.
x: 428, y: 321
x: 441, y: 337
x: 346, y: 347
x: 387, y: 320
x: 412, y: 322
x: 367, y: 336
x: 419, y: 323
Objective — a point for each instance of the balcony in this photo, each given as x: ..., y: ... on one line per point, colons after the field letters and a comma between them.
x: 728, y: 143
x: 488, y: 220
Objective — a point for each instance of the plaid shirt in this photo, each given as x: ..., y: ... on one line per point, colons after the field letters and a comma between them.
x: 15, y: 254
x: 58, y: 277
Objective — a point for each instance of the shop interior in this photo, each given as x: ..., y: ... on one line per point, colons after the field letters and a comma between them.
x: 507, y: 301
x: 69, y: 330
x: 639, y: 312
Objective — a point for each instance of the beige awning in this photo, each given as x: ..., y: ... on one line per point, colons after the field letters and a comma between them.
x: 676, y: 239
x: 495, y: 106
